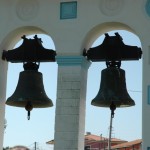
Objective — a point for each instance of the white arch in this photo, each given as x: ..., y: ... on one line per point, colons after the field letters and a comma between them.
x: 100, y: 29
x: 8, y: 42
x: 15, y: 35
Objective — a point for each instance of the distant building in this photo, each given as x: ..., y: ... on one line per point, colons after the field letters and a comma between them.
x: 19, y: 147
x: 95, y: 142
x: 133, y: 145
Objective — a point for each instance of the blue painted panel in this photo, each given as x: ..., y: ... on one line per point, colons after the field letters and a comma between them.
x: 147, y: 7
x: 69, y: 60
x: 148, y: 97
x: 148, y: 148
x: 73, y: 61
x: 68, y: 10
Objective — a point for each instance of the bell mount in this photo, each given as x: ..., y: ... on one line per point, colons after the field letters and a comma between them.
x: 113, y: 49
x: 31, y: 50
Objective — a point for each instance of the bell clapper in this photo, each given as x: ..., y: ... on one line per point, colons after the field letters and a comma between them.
x: 28, y: 115
x: 28, y: 108
x: 112, y: 108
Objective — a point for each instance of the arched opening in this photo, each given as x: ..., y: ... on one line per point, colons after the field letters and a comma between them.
x: 100, y: 29
x: 127, y: 123
x: 40, y: 128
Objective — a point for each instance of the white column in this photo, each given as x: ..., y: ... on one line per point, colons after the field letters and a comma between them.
x: 70, y: 103
x: 146, y: 97
x: 3, y: 77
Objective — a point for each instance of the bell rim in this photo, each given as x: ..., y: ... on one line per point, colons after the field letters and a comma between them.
x: 119, y: 104
x: 36, y: 104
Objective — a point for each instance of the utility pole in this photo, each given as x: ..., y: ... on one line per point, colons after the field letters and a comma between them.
x: 100, y: 144
x: 35, y: 145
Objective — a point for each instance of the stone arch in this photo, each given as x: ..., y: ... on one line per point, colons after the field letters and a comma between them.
x: 8, y: 42
x: 96, y: 32
x: 100, y: 29
x: 15, y: 35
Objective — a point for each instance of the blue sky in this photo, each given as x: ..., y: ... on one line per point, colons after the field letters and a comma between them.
x: 127, y: 122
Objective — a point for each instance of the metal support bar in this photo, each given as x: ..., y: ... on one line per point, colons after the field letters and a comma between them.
x: 112, y: 108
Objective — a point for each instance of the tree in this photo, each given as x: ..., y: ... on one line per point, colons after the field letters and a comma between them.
x: 5, y: 124
x: 6, y: 148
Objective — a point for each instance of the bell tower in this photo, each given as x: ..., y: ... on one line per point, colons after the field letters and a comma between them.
x: 73, y: 26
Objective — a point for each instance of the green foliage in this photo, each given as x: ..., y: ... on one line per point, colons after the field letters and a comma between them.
x: 6, y: 148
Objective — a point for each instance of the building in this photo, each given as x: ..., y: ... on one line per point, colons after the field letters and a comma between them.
x: 95, y: 142
x: 19, y: 147
x: 133, y: 145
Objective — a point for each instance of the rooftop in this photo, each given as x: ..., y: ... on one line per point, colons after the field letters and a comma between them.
x: 127, y: 144
x: 91, y: 138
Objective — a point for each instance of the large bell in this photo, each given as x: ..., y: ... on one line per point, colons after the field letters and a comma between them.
x: 113, y: 89
x: 30, y: 91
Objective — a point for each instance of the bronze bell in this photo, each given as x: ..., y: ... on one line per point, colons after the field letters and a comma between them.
x: 30, y: 91
x: 113, y: 89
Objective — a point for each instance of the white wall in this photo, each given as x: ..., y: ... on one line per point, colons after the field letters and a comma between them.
x: 70, y: 36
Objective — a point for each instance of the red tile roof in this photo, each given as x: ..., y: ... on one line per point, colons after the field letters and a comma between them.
x: 19, y: 147
x: 127, y: 144
x: 50, y: 142
x: 91, y: 137
x: 94, y: 137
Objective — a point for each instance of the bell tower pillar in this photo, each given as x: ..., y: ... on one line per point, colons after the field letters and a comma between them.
x: 70, y: 104
x: 3, y: 77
